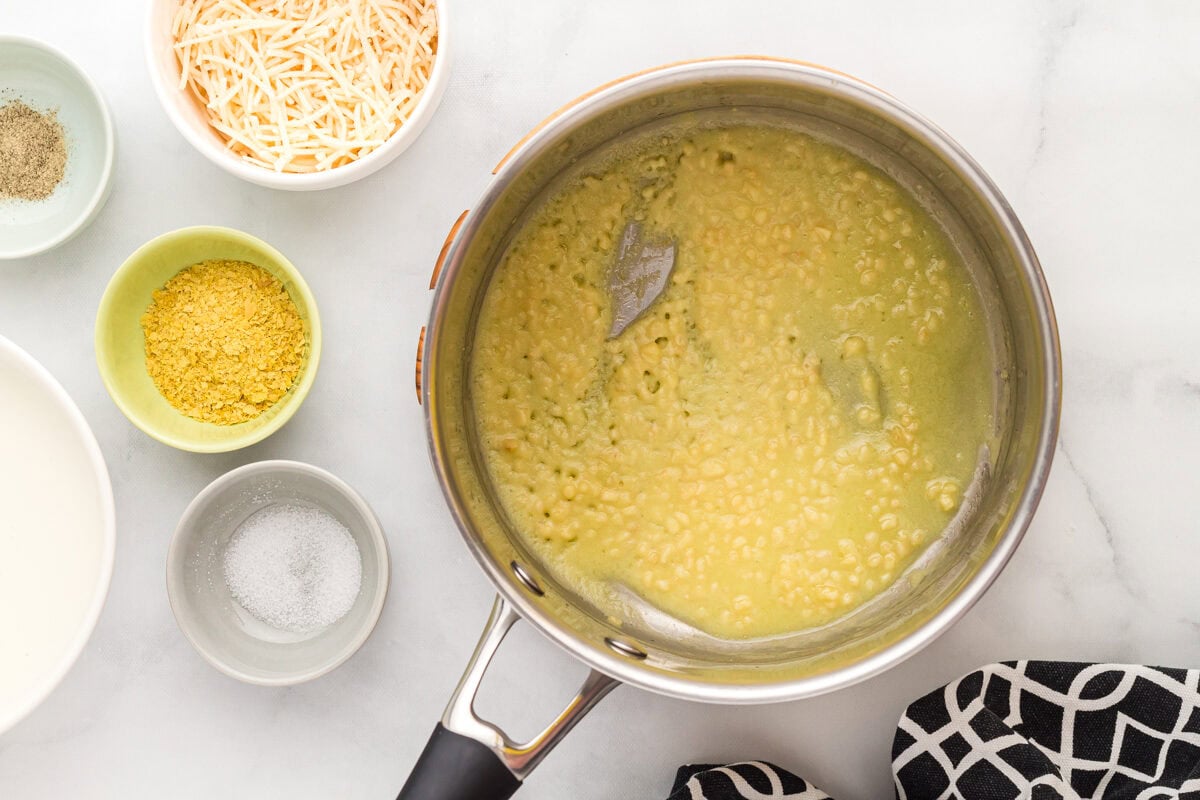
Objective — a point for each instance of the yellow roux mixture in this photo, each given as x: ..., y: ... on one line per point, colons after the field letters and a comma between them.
x: 784, y: 431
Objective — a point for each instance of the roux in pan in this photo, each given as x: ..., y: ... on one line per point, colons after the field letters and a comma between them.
x: 785, y: 429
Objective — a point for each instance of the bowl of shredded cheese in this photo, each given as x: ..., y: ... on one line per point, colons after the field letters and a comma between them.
x: 208, y: 339
x: 299, y: 94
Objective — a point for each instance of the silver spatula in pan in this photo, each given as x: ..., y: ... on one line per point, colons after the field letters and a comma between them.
x: 638, y: 276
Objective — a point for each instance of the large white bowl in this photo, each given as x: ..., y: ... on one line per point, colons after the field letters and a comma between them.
x: 57, y: 533
x: 188, y: 115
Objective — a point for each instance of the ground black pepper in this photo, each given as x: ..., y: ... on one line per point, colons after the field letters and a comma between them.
x: 33, y: 152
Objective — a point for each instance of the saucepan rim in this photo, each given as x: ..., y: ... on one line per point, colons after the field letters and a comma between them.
x: 637, y: 672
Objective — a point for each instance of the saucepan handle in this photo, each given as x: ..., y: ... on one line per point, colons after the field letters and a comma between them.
x: 468, y: 758
x: 454, y: 766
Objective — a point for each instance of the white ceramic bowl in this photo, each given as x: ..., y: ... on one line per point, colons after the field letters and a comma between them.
x: 223, y: 632
x: 46, y: 79
x: 57, y: 533
x: 188, y: 115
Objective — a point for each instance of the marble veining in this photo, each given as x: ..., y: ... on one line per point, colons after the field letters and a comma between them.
x: 1058, y: 32
x: 1109, y: 538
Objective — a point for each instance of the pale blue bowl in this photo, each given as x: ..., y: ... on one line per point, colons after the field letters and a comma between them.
x: 45, y: 79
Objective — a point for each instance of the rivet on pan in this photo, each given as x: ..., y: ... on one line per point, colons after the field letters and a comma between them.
x: 624, y: 648
x: 524, y: 577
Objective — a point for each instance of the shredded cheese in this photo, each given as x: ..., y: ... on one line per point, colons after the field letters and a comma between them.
x: 306, y: 85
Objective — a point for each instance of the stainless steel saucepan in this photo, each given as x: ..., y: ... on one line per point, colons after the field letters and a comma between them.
x: 472, y: 758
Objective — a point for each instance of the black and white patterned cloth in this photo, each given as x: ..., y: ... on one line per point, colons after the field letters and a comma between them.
x: 748, y: 779
x: 1036, y: 730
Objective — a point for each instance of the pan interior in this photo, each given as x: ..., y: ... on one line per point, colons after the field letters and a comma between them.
x: 976, y: 231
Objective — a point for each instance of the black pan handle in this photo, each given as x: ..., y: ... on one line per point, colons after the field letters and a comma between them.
x: 456, y: 767
x: 468, y: 758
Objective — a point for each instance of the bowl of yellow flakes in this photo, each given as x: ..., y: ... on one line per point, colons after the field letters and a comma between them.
x: 208, y: 339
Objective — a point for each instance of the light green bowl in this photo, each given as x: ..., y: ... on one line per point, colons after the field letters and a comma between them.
x: 121, y: 349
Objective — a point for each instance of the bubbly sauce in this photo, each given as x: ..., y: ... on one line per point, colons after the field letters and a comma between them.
x: 783, y: 431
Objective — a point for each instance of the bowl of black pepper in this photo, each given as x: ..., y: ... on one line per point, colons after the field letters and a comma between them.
x: 56, y: 148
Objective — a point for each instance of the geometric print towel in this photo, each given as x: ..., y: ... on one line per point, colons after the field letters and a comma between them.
x: 1043, y: 730
x: 748, y: 779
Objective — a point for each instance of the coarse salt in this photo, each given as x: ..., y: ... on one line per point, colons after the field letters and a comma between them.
x: 293, y: 567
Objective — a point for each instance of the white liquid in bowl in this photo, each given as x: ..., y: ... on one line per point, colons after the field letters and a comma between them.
x: 56, y: 533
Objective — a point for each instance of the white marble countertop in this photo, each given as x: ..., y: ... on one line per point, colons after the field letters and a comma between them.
x: 1085, y: 115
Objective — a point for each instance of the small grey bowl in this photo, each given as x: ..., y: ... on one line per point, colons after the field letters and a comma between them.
x: 223, y: 632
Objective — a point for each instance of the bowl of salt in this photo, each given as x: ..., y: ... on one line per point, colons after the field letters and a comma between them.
x: 277, y: 573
